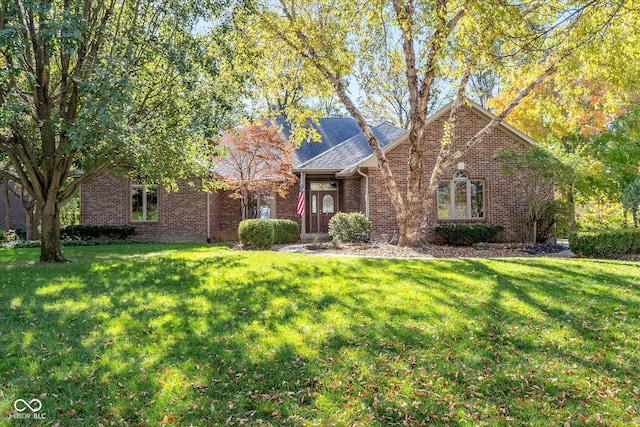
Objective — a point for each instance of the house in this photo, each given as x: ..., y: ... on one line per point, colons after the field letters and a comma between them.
x: 17, y: 216
x: 339, y: 173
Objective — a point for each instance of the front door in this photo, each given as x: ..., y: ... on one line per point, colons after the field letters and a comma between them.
x: 324, y: 204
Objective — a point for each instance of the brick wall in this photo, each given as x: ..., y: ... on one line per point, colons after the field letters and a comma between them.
x: 17, y: 215
x: 505, y: 204
x: 182, y: 215
x: 226, y: 215
x: 351, y: 195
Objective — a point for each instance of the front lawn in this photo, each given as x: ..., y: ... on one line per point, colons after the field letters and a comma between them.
x: 201, y: 335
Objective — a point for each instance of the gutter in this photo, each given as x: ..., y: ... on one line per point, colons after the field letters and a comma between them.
x: 209, y: 240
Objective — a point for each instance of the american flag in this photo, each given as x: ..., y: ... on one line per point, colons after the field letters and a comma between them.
x: 300, y: 209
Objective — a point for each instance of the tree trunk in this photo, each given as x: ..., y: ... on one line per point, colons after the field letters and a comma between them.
x: 244, y: 204
x: 50, y: 250
x: 33, y: 221
x: 7, y: 206
x: 572, y: 210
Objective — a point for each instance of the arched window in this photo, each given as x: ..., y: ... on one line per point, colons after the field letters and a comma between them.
x: 328, y: 204
x: 461, y: 197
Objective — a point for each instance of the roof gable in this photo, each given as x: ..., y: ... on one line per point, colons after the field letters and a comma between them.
x: 332, y: 131
x: 371, y: 160
x: 351, y: 151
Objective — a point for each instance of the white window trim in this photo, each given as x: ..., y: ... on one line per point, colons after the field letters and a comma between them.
x: 452, y: 199
x: 144, y: 203
x: 273, y: 213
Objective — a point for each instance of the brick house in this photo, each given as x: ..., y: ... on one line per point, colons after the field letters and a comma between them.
x: 17, y: 215
x: 339, y: 174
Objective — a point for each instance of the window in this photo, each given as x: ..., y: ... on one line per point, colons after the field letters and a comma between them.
x: 327, y: 204
x: 461, y: 198
x: 267, y: 206
x: 324, y: 186
x: 144, y: 203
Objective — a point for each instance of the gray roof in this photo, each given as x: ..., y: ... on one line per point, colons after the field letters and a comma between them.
x: 332, y: 131
x: 353, y: 150
x: 342, y: 145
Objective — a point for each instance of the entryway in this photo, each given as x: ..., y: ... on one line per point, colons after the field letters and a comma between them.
x: 324, y: 204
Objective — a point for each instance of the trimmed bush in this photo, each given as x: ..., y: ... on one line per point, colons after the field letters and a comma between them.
x: 467, y: 234
x: 605, y: 242
x: 257, y: 233
x: 91, y: 232
x: 285, y: 231
x: 349, y: 227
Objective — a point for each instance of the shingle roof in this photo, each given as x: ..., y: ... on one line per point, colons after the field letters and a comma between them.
x: 332, y: 131
x: 342, y: 145
x: 352, y: 150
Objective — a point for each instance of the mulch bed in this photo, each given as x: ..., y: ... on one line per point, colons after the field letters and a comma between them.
x: 491, y: 250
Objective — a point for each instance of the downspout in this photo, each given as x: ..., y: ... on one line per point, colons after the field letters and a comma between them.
x: 209, y: 217
x: 366, y: 192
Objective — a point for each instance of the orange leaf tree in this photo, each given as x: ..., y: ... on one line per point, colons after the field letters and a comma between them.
x: 256, y: 161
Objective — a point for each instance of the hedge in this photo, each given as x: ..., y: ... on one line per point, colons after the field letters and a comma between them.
x: 26, y: 244
x: 285, y: 231
x: 349, y: 227
x: 91, y: 232
x: 467, y: 234
x: 605, y: 242
x: 257, y: 233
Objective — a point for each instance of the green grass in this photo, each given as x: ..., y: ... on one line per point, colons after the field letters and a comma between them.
x: 196, y: 335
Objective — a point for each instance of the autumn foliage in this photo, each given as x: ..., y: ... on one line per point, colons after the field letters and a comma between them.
x: 256, y: 160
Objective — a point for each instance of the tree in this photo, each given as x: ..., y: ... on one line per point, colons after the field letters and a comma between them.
x: 96, y: 86
x: 30, y: 208
x: 631, y: 199
x: 537, y: 173
x: 6, y: 204
x: 569, y: 113
x: 256, y: 160
x: 436, y: 39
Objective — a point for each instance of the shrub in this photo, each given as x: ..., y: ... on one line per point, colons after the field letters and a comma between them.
x: 91, y: 232
x: 257, y: 233
x: 467, y: 234
x: 605, y: 242
x: 285, y: 231
x: 349, y: 227
x: 7, y: 236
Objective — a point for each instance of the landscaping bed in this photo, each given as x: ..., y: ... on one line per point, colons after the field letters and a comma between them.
x: 374, y: 250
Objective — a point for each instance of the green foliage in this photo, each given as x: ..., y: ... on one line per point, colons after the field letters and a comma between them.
x: 285, y: 231
x: 631, y: 198
x: 7, y: 236
x: 126, y: 87
x: 349, y: 227
x: 467, y: 234
x: 91, y: 232
x: 563, y: 214
x: 256, y: 233
x: 605, y: 242
x: 70, y: 212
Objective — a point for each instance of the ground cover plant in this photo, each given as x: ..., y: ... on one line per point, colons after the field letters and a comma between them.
x: 202, y: 335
